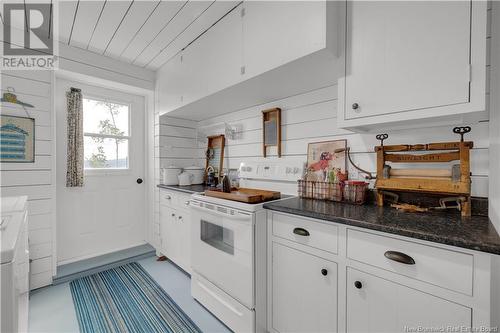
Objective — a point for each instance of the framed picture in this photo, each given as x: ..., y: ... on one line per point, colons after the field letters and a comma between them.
x: 325, y: 160
x: 17, y: 139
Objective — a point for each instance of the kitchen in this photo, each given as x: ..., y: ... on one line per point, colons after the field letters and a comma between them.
x: 254, y: 166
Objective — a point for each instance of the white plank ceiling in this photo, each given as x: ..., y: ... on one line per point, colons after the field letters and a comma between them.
x: 144, y: 33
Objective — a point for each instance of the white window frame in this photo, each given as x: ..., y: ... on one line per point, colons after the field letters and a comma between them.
x: 109, y: 171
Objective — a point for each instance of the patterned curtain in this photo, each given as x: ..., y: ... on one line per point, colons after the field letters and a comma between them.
x: 74, y: 173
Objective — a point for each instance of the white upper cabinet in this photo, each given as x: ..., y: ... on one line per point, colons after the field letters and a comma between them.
x: 271, y: 42
x: 416, y: 60
x: 213, y: 62
x: 277, y: 32
x: 171, y: 84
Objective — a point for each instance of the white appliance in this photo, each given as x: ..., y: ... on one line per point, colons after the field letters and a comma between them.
x: 185, y: 179
x: 14, y: 267
x: 197, y: 172
x: 169, y: 175
x: 229, y: 260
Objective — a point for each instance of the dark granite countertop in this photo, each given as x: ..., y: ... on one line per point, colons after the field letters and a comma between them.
x: 474, y: 233
x: 190, y: 189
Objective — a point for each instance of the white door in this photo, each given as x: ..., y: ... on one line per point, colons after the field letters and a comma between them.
x: 304, y: 292
x: 108, y: 212
x: 404, y: 56
x: 378, y: 305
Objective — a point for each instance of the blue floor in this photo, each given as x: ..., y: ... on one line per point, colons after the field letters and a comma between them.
x: 52, y: 310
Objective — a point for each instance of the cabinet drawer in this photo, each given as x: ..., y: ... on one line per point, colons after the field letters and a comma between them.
x: 314, y: 234
x: 182, y: 201
x: 444, y: 268
x: 167, y: 198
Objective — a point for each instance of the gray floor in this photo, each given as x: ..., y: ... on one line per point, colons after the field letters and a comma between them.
x: 52, y: 310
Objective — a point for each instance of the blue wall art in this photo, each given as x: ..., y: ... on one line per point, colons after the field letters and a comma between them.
x: 17, y: 139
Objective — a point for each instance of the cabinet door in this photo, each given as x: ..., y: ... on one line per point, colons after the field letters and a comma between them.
x: 304, y: 296
x: 378, y: 305
x: 168, y: 232
x: 171, y: 84
x: 184, y: 240
x: 404, y: 56
x: 277, y: 32
x: 214, y: 60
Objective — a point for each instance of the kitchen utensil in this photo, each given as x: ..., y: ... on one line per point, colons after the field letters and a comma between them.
x: 185, y: 179
x: 247, y: 195
x: 197, y: 172
x: 211, y: 179
x: 226, y: 184
x: 170, y: 175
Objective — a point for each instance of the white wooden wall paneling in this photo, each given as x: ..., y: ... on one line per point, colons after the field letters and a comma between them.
x: 34, y: 179
x: 311, y: 117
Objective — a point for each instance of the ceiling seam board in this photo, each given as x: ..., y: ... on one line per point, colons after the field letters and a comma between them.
x: 189, y: 14
x: 131, y: 39
x: 180, y: 33
x: 198, y: 36
x: 74, y: 19
x: 118, y: 27
x: 162, y: 29
x: 164, y: 12
x: 97, y: 22
x: 112, y: 15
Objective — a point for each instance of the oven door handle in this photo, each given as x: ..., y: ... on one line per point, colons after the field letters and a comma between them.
x: 240, y: 216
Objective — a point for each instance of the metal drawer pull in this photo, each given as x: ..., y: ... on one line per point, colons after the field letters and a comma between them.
x: 186, y: 203
x: 301, y: 232
x: 168, y: 197
x: 399, y: 257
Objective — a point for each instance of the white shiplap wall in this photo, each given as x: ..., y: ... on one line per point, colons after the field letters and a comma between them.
x: 34, y: 179
x: 311, y: 117
x: 175, y: 144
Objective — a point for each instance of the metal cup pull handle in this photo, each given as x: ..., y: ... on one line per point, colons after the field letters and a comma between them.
x: 399, y: 257
x: 301, y: 232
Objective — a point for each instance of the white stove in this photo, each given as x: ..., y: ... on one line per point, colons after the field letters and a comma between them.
x: 229, y: 260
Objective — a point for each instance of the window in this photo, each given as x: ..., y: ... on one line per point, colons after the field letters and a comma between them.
x: 106, y: 134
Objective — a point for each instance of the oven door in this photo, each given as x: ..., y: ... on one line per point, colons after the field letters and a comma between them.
x: 223, y: 249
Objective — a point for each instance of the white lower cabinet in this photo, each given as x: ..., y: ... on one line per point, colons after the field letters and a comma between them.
x: 359, y: 287
x: 300, y: 283
x: 175, y: 231
x: 379, y: 305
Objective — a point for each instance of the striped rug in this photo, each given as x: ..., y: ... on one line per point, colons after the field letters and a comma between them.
x: 126, y: 299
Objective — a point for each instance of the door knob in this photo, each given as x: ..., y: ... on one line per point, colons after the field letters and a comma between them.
x: 139, y: 180
x: 355, y: 106
x: 358, y: 284
x: 324, y: 272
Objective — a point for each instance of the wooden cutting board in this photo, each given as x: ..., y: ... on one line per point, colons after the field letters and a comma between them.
x: 246, y: 195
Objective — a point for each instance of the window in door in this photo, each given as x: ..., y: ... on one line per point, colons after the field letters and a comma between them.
x: 106, y: 127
